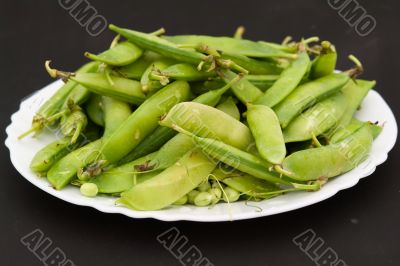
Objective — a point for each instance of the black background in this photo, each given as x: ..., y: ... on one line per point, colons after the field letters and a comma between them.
x: 362, y: 224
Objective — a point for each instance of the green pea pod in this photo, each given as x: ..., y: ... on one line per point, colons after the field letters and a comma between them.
x: 64, y: 170
x: 115, y: 114
x: 254, y: 66
x: 244, y: 90
x: 160, y: 46
x: 251, y: 186
x: 325, y: 63
x: 263, y: 82
x: 317, y: 120
x: 170, y: 185
x: 236, y: 158
x: 149, y: 85
x: 123, y: 89
x: 354, y: 93
x: 94, y: 110
x: 122, y: 178
x: 163, y: 134
x: 208, y: 121
x: 267, y: 133
x: 352, y: 127
x: 122, y: 54
x: 307, y: 95
x: 287, y: 82
x: 143, y: 121
x: 230, y: 45
x: 181, y: 71
x: 136, y: 69
x: 229, y: 107
x: 79, y: 95
x: 74, y: 124
x: 331, y: 160
x: 55, y: 103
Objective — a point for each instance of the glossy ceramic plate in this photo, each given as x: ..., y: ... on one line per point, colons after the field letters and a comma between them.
x: 374, y: 108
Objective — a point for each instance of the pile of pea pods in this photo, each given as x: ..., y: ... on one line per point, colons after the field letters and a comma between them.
x: 159, y: 120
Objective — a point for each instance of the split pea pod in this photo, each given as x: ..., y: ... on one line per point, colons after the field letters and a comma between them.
x: 209, y: 122
x: 267, y: 133
x: 317, y: 120
x: 325, y: 63
x: 163, y: 134
x: 307, y: 95
x: 236, y: 158
x: 170, y: 185
x: 121, y: 54
x: 287, y: 81
x: 143, y: 121
x: 331, y: 160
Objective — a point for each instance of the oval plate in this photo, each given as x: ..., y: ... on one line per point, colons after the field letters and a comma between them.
x: 22, y: 151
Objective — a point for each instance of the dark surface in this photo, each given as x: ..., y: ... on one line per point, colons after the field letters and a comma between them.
x: 361, y: 224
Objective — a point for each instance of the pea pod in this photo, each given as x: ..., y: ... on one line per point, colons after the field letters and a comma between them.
x: 287, y: 82
x: 263, y: 82
x: 143, y: 121
x: 254, y: 66
x: 122, y: 178
x: 54, y: 105
x: 342, y: 156
x: 267, y: 133
x: 121, y: 54
x: 149, y: 85
x: 325, y: 63
x: 74, y: 124
x: 352, y: 127
x: 317, y: 120
x: 244, y: 90
x: 163, y: 134
x: 170, y: 185
x: 94, y: 110
x: 207, y: 121
x: 236, y: 158
x: 136, y: 69
x: 231, y: 45
x: 229, y: 107
x: 307, y: 95
x: 185, y: 72
x: 51, y: 153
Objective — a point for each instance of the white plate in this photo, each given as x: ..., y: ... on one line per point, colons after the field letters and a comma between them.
x: 21, y: 151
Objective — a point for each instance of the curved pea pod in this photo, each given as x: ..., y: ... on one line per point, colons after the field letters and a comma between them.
x: 170, y: 185
x: 244, y: 90
x: 121, y: 54
x: 236, y: 158
x: 51, y: 153
x: 231, y: 45
x: 331, y: 160
x: 254, y: 66
x: 253, y: 187
x: 123, y: 89
x: 354, y: 93
x: 325, y: 63
x: 122, y: 178
x: 317, y: 120
x: 163, y: 134
x: 307, y: 95
x: 180, y: 71
x: 160, y: 46
x: 267, y: 133
x: 229, y: 107
x: 94, y: 110
x: 352, y: 127
x: 115, y: 113
x: 64, y: 170
x: 143, y: 121
x: 289, y: 79
x: 208, y: 121
x: 136, y: 69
